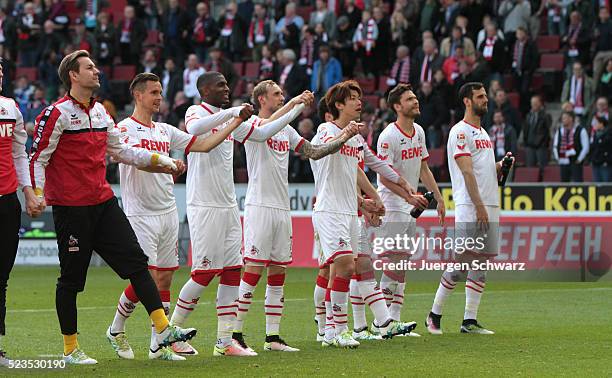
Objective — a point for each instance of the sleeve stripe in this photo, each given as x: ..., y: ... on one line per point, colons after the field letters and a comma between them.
x: 191, y: 142
x: 426, y: 158
x: 299, y: 145
x: 250, y: 132
x: 43, y: 135
x: 462, y: 154
x: 192, y: 118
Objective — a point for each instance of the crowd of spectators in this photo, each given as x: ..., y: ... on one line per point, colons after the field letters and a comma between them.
x: 435, y: 45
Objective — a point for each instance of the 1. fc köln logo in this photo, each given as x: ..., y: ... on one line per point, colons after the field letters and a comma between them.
x: 73, y: 244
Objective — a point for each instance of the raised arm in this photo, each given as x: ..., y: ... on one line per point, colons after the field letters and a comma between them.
x: 196, y: 125
x: 316, y: 152
x: 305, y: 98
x: 207, y: 144
x: 263, y: 133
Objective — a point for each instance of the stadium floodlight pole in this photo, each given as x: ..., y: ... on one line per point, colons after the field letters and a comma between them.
x: 72, y: 138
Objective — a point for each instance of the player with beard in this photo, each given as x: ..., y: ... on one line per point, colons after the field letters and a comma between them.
x: 402, y: 145
x: 473, y: 172
x: 212, y: 210
x: 267, y: 216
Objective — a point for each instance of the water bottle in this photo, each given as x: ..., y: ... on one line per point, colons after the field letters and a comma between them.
x: 505, y: 169
x: 416, y: 212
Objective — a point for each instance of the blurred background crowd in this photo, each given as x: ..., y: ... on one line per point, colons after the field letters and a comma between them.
x: 547, y: 65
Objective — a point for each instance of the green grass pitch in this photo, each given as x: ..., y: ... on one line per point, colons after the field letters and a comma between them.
x: 543, y: 329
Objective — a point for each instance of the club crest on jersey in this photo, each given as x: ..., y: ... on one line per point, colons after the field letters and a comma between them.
x: 3, y: 111
x: 205, y: 263
x: 461, y: 141
x: 342, y: 243
x: 73, y: 244
x: 254, y: 251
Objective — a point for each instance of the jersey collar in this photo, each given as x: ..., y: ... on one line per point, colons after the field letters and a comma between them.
x: 209, y: 108
x: 92, y: 102
x: 140, y: 123
x: 402, y: 131
x: 474, y: 126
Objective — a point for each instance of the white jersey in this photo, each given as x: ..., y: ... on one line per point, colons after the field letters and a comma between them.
x: 404, y: 153
x: 468, y: 140
x: 210, y: 176
x: 336, y: 174
x: 145, y: 193
x: 268, y: 167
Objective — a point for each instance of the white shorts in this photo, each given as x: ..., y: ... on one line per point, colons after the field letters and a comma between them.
x: 337, y: 235
x: 466, y: 227
x: 394, y: 224
x: 158, y: 237
x: 267, y: 236
x: 216, y: 238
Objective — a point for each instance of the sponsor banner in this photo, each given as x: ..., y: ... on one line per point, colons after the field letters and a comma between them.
x: 515, y: 197
x: 37, y: 252
x: 547, y: 241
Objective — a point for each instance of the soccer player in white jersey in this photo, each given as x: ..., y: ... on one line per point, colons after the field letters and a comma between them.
x: 402, y: 145
x: 267, y: 216
x: 473, y: 172
x: 212, y: 210
x: 149, y: 202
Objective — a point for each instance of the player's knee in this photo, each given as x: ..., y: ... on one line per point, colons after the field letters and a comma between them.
x: 230, y: 277
x: 163, y: 280
x: 203, y: 278
x: 345, y: 266
x: 324, y: 271
x: 75, y: 286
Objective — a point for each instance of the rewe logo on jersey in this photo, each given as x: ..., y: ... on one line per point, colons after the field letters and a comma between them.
x: 278, y: 145
x: 350, y: 151
x: 411, y: 153
x: 482, y: 144
x: 153, y: 145
x: 6, y: 129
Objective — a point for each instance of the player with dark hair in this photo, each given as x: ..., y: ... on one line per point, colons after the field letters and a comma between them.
x: 212, y: 210
x: 402, y: 145
x: 473, y: 172
x: 149, y: 203
x: 67, y: 167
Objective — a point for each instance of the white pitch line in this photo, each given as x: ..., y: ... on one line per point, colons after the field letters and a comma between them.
x: 490, y: 292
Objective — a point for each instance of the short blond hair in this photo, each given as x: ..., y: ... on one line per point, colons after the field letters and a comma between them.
x: 70, y: 63
x: 261, y: 89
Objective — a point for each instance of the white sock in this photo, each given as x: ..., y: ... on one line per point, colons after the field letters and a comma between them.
x: 374, y: 298
x: 125, y: 307
x: 446, y: 287
x: 395, y: 310
x: 319, y: 302
x: 245, y: 297
x: 227, y: 308
x: 358, y: 305
x: 187, y: 300
x: 274, y: 309
x: 387, y: 286
x: 153, y: 346
x: 474, y: 287
x: 330, y: 326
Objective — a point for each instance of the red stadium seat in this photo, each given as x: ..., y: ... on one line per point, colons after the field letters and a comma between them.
x: 71, y: 10
x: 370, y: 99
x: 437, y: 157
x: 552, y: 62
x: 124, y: 72
x: 239, y: 67
x: 152, y: 38
x: 368, y: 86
x: 587, y: 173
x: 515, y: 99
x: 30, y: 72
x: 537, y: 82
x: 548, y: 43
x: 304, y: 12
x: 251, y: 70
x: 551, y: 174
x: 527, y: 174
x: 382, y: 84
